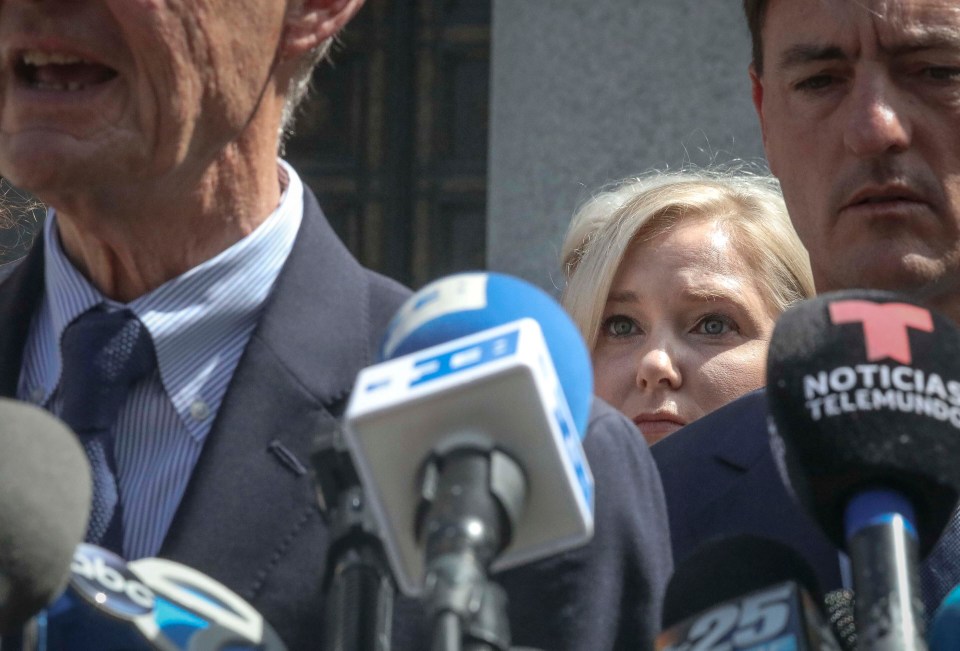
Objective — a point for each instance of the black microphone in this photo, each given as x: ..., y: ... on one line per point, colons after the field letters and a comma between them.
x: 44, y: 505
x: 744, y: 592
x: 864, y: 390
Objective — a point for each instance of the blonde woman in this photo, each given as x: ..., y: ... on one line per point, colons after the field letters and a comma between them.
x: 675, y: 281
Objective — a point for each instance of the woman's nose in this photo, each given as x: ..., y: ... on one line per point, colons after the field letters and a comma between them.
x: 656, y: 367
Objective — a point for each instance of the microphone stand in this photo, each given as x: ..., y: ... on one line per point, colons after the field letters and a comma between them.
x: 358, y: 585
x: 470, y: 500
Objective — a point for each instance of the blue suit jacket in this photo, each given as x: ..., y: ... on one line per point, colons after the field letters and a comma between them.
x: 250, y: 517
x: 720, y: 479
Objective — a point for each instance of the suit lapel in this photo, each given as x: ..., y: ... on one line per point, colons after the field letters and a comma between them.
x: 731, y: 450
x: 251, y: 488
x: 739, y: 448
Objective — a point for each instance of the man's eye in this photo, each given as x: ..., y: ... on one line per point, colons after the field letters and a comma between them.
x: 817, y: 82
x: 942, y: 73
x: 619, y: 326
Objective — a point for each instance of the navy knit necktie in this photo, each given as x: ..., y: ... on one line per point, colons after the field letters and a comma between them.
x: 940, y: 573
x: 104, y: 354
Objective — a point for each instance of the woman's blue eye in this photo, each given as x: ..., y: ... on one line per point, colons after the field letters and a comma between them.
x: 715, y: 325
x: 618, y: 326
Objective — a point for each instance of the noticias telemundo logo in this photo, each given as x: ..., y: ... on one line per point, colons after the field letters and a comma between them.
x: 877, y: 384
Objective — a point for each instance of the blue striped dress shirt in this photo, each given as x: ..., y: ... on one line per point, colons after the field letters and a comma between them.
x: 200, y: 323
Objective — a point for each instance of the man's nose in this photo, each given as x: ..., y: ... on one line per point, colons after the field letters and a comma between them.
x: 657, y: 367
x: 876, y: 120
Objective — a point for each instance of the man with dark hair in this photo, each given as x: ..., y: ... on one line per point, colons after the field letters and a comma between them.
x: 754, y: 10
x: 859, y: 107
x: 187, y: 284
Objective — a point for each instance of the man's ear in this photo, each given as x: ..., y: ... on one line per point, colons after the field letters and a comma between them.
x: 756, y: 83
x: 311, y: 22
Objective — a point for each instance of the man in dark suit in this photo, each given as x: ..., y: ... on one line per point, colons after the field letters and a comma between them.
x: 151, y: 132
x: 858, y: 107
x: 720, y: 480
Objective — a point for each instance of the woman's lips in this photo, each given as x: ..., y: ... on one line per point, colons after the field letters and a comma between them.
x: 655, y: 427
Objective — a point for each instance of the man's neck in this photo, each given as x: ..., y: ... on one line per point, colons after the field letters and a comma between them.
x: 129, y: 241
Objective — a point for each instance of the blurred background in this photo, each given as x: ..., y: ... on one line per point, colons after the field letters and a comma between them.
x: 462, y: 134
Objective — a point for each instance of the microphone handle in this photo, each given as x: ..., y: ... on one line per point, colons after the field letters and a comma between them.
x: 359, y: 602
x: 889, y: 611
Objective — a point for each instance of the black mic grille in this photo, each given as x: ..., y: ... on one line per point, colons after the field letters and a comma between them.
x: 864, y: 390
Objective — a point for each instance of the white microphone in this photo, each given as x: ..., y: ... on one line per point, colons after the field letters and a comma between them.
x: 488, y: 363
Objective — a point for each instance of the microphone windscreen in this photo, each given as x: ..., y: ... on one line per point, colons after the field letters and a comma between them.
x: 44, y: 504
x: 864, y: 390
x: 467, y: 303
x: 731, y: 567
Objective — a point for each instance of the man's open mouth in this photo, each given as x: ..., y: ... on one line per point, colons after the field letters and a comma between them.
x: 59, y: 71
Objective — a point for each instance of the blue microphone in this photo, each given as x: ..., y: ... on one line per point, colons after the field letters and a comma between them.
x: 467, y: 439
x: 467, y: 303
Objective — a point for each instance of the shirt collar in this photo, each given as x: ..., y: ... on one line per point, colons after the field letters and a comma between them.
x: 192, y: 318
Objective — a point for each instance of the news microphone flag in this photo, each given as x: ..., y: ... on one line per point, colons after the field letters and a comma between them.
x: 864, y: 390
x: 496, y: 384
x: 744, y: 593
x: 864, y: 394
x: 782, y: 617
x: 151, y: 603
x: 467, y: 303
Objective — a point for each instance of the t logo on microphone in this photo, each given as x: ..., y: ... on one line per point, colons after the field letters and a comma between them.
x: 884, y: 326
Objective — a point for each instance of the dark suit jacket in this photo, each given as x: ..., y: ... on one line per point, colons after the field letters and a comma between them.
x: 720, y: 479
x: 250, y: 517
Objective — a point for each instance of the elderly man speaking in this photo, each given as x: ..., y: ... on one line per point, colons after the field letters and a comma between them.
x: 187, y: 285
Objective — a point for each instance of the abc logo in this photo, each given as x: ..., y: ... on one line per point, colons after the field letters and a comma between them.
x: 102, y: 577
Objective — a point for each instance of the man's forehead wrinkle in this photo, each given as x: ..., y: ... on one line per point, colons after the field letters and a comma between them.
x: 923, y: 38
x: 879, y: 9
x: 894, y: 32
x: 934, y: 22
x: 802, y: 53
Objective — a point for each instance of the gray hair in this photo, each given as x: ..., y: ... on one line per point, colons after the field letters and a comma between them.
x: 747, y: 205
x: 299, y: 87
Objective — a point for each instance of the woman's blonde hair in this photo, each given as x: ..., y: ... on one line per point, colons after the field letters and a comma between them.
x: 747, y: 206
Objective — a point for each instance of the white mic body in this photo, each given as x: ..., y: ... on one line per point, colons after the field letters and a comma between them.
x: 496, y: 389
